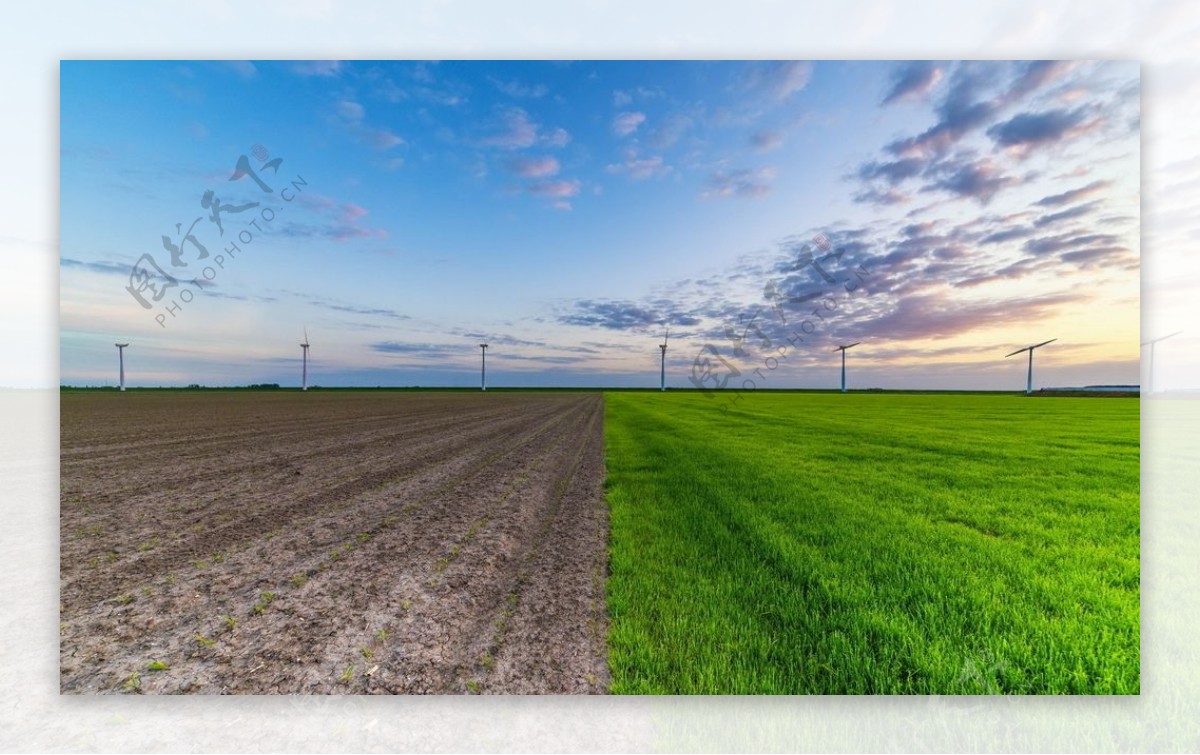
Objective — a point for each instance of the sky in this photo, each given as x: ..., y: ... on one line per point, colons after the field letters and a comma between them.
x: 941, y: 213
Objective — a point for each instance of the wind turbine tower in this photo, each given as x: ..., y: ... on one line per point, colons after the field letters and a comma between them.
x: 1029, y: 374
x: 662, y: 369
x: 1150, y: 343
x: 121, y: 359
x: 483, y: 367
x: 304, y: 368
x: 843, y: 350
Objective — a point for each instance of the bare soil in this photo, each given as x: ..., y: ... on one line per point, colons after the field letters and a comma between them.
x: 332, y: 543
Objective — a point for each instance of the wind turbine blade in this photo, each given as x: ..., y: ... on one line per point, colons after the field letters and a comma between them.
x: 854, y: 344
x: 1018, y: 351
x: 1043, y: 343
x: 1162, y: 338
x: 666, y: 336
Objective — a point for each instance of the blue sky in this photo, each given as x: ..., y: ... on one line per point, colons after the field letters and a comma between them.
x: 568, y: 212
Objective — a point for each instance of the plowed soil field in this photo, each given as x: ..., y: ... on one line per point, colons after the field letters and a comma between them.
x: 332, y: 542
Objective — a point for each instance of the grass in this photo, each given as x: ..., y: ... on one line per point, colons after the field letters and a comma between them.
x: 261, y: 605
x: 846, y: 544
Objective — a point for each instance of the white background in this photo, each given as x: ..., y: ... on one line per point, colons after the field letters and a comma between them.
x: 34, y: 37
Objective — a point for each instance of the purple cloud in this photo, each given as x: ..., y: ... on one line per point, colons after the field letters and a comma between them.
x: 1028, y: 130
x: 779, y: 79
x: 979, y: 180
x: 1074, y: 195
x: 913, y: 82
x: 766, y: 140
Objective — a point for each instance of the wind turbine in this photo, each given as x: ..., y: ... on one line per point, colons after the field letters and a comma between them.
x: 1029, y: 375
x: 662, y: 370
x: 304, y: 369
x: 483, y: 367
x: 843, y: 350
x: 1151, y: 343
x: 121, y: 357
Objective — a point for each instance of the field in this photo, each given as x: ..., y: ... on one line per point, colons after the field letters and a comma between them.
x: 441, y: 542
x: 332, y: 542
x: 824, y: 543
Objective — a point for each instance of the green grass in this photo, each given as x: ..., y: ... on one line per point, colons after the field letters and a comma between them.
x: 826, y: 544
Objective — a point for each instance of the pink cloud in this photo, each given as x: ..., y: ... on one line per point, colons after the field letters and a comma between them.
x: 555, y: 189
x: 534, y: 167
x: 557, y: 137
x: 519, y: 131
x: 352, y: 212
x: 626, y: 123
x: 640, y: 168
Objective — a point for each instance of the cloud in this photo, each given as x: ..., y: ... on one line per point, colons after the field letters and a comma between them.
x: 390, y: 314
x: 1074, y: 195
x: 913, y: 81
x: 1024, y: 131
x: 517, y: 89
x: 975, y: 95
x: 1069, y: 214
x: 534, y: 167
x: 381, y: 139
x: 966, y: 106
x: 352, y: 212
x: 317, y: 68
x: 556, y: 137
x: 339, y: 221
x: 243, y: 68
x: 939, y: 315
x: 626, y: 123
x: 881, y: 197
x: 893, y: 172
x: 766, y: 140
x: 1008, y: 234
x: 1094, y: 255
x: 1070, y: 242
x: 518, y: 130
x: 621, y: 98
x: 740, y: 183
x: 1036, y: 74
x: 778, y: 79
x: 639, y: 168
x: 555, y: 189
x: 979, y: 180
x: 622, y: 315
x: 351, y: 111
x: 114, y: 268
x: 432, y: 350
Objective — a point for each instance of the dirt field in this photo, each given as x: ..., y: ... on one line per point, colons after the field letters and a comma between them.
x: 332, y: 542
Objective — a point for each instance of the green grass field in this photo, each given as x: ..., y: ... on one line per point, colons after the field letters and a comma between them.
x: 826, y: 544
